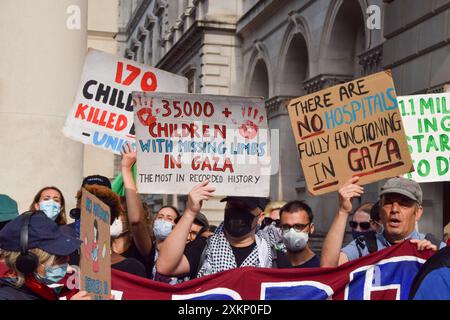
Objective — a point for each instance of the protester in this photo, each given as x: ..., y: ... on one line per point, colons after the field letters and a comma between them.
x: 198, y: 228
x: 297, y: 225
x: 131, y: 236
x: 272, y: 213
x: 51, y: 201
x: 432, y: 282
x: 271, y: 223
x: 36, y: 252
x: 401, y: 207
x: 163, y: 226
x: 234, y: 244
x: 360, y: 221
x: 73, y: 229
x: 123, y: 261
x: 8, y: 210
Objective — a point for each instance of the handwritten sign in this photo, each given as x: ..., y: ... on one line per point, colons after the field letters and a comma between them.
x: 184, y: 139
x: 427, y: 127
x: 102, y: 113
x: 352, y: 129
x: 95, y: 258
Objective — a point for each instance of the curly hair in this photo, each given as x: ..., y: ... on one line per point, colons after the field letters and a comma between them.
x: 106, y: 195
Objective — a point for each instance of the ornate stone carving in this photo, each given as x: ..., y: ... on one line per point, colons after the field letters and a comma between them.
x: 323, y: 81
x: 276, y: 106
x: 371, y: 60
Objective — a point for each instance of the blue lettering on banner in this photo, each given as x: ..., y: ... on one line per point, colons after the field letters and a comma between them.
x: 390, y: 274
x: 213, y: 294
x: 109, y: 142
x: 295, y: 290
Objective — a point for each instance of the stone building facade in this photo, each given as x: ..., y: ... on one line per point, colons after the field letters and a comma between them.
x: 281, y: 49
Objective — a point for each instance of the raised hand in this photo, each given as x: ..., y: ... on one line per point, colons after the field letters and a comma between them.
x: 347, y: 192
x: 200, y: 192
x: 128, y: 156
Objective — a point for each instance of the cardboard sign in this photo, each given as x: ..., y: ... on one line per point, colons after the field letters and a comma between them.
x: 95, y: 258
x: 102, y: 113
x: 427, y: 126
x: 352, y: 129
x: 184, y: 139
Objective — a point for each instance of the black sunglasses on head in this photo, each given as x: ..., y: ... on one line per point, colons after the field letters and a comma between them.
x: 364, y: 225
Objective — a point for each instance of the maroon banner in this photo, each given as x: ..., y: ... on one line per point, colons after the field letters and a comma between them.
x: 383, y: 275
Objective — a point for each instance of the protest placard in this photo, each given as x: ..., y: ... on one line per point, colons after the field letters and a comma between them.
x: 95, y: 257
x: 102, y: 113
x: 427, y: 124
x: 351, y: 129
x: 184, y: 139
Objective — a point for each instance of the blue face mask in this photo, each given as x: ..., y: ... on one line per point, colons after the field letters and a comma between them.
x: 53, y: 274
x: 51, y: 208
x: 161, y: 229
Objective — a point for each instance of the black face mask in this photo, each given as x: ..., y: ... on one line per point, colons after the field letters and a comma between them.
x: 238, y: 222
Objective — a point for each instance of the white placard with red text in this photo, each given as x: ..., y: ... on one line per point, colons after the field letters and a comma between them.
x: 185, y: 139
x: 102, y: 113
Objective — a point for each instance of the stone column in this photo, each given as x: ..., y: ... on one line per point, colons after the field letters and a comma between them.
x: 40, y: 66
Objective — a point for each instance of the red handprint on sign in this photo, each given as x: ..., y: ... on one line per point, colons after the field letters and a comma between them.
x: 250, y: 126
x: 147, y: 115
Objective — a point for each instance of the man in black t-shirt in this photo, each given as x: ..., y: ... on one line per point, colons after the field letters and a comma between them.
x: 234, y: 244
x: 296, y: 219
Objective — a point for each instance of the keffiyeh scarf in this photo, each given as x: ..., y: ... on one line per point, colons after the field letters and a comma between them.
x: 219, y: 254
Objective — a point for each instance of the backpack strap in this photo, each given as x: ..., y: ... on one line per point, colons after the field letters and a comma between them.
x: 371, y: 244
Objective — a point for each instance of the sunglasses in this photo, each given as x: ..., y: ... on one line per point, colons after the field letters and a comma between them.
x: 363, y: 225
x: 268, y: 221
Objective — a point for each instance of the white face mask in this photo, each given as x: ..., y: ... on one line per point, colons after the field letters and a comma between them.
x: 161, y: 229
x: 51, y: 208
x: 116, y: 228
x: 295, y: 241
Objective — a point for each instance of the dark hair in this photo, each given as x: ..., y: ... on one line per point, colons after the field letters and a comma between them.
x: 375, y: 212
x: 295, y: 206
x: 61, y: 219
x: 171, y: 207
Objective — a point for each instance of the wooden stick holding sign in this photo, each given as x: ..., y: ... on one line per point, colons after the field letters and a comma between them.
x: 95, y: 260
x: 352, y: 129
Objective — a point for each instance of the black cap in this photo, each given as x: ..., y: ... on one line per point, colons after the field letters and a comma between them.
x: 97, y: 179
x: 43, y: 233
x: 251, y: 202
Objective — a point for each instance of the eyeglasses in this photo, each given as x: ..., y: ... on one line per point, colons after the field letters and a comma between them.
x: 299, y: 227
x: 364, y: 225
